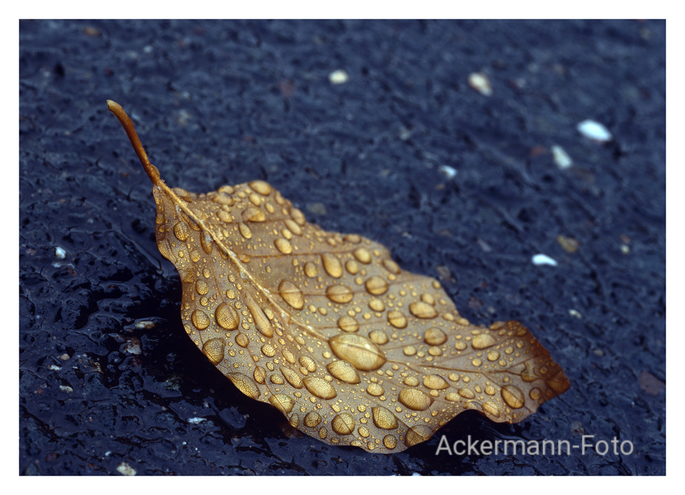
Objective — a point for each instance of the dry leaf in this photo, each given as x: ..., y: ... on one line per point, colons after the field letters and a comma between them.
x: 328, y: 328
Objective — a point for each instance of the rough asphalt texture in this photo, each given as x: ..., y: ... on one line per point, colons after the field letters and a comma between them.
x: 227, y: 102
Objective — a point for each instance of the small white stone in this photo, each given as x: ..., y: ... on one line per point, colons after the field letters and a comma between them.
x: 66, y: 388
x: 196, y: 421
x: 54, y: 367
x: 543, y: 259
x: 574, y: 313
x: 338, y: 77
x: 480, y: 83
x: 561, y: 158
x: 60, y: 253
x: 447, y: 171
x: 126, y: 469
x: 594, y: 130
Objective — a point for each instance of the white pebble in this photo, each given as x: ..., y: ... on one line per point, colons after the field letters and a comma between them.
x: 196, y: 421
x: 543, y: 259
x: 126, y: 469
x: 447, y: 171
x: 480, y: 83
x: 338, y: 77
x: 594, y: 130
x: 66, y: 388
x: 561, y: 158
x: 60, y: 253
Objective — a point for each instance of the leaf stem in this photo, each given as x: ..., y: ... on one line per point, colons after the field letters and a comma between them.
x: 125, y: 121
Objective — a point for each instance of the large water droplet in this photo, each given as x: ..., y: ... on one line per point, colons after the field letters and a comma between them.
x: 513, y: 396
x: 415, y: 399
x: 340, y: 294
x: 357, y: 350
x: 291, y: 294
x: 320, y: 388
x: 344, y: 371
x: 384, y: 419
x: 245, y: 384
x: 376, y: 285
x: 214, y: 350
x: 343, y: 424
x: 483, y: 341
x: 332, y: 265
x: 226, y: 316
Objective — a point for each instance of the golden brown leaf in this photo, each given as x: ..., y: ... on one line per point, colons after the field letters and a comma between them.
x: 328, y: 329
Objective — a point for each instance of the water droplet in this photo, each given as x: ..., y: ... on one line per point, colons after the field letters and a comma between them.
x: 312, y: 419
x: 200, y: 319
x: 357, y: 350
x: 242, y: 340
x: 282, y: 402
x: 268, y: 350
x: 181, y: 231
x: 390, y: 442
x: 293, y: 227
x: 320, y: 388
x: 417, y: 434
x: 291, y: 294
x: 491, y: 408
x: 344, y: 371
x: 298, y: 216
x: 222, y: 199
x: 227, y: 317
x: 415, y: 399
x: 201, y: 287
x: 466, y: 393
x: 376, y: 285
x: 245, y: 384
x: 397, y: 319
x: 283, y: 245
x: 260, y: 375
x: 375, y: 390
x: 245, y: 231
x: 378, y: 337
x: 513, y: 396
x: 434, y: 382
x: 422, y: 310
x: 253, y: 214
x: 434, y: 336
x: 332, y: 265
x: 352, y: 266
x: 410, y: 350
x: 261, y: 187
x: 340, y: 294
x: 292, y: 377
x: 411, y: 381
x: 214, y: 350
x: 348, y: 324
x: 310, y: 269
x: 343, y: 424
x: 483, y: 341
x: 376, y: 305
x: 307, y: 363
x: 362, y: 255
x: 224, y: 216
x: 384, y: 419
x: 207, y: 243
x: 391, y: 266
x: 260, y: 319
x: 535, y: 393
x: 493, y: 356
